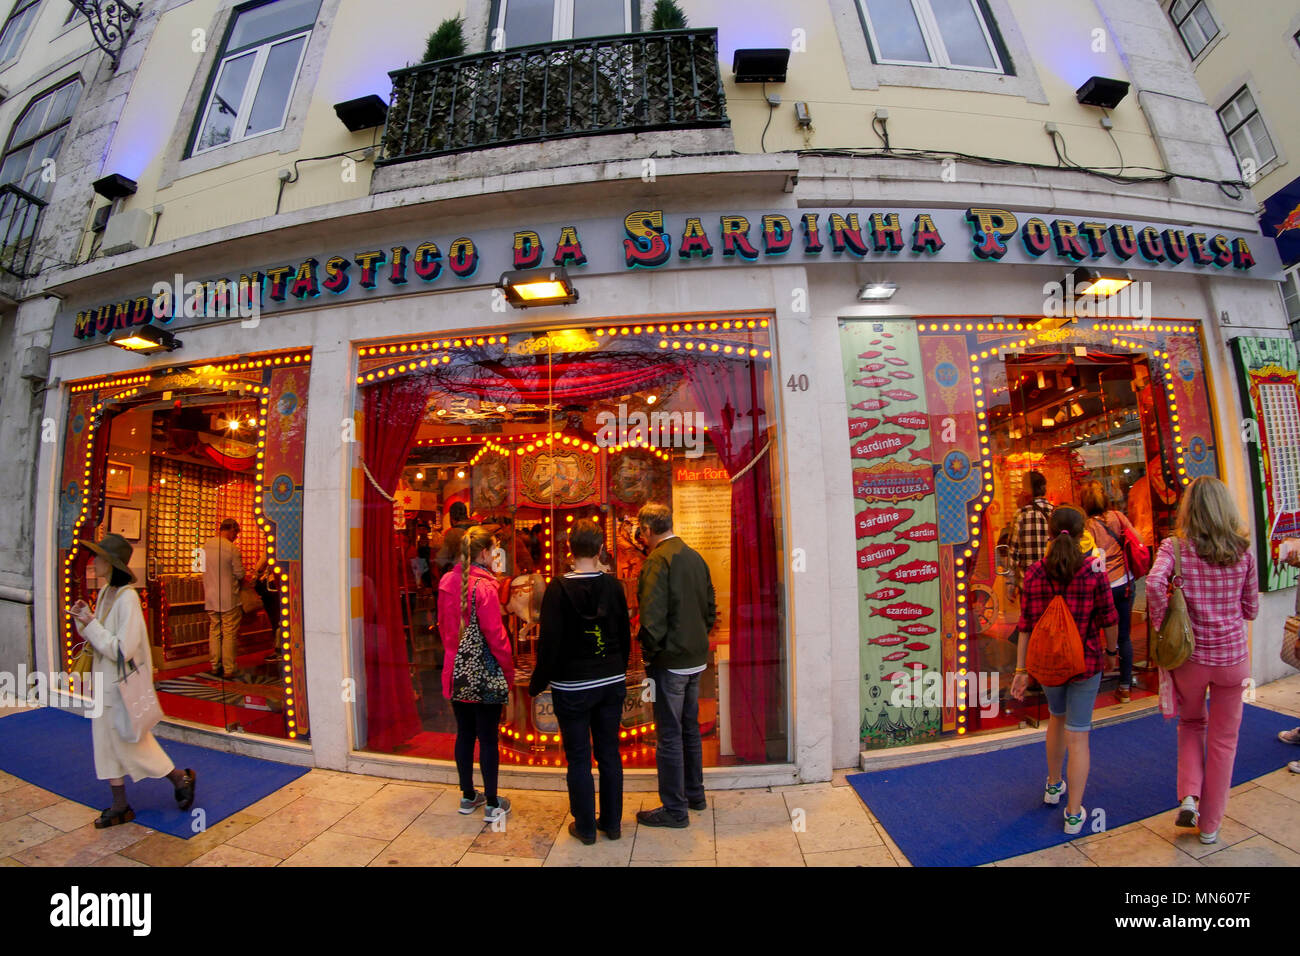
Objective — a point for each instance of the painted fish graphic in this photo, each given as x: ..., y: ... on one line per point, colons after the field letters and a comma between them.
x: 894, y: 359
x: 872, y: 367
x: 1292, y: 221
x: 901, y: 374
x: 917, y: 646
x: 873, y: 521
x: 869, y: 355
x: 903, y: 611
x: 889, y: 640
x: 921, y: 532
x: 882, y: 444
x: 915, y: 453
x: 860, y: 426
x: 915, y: 665
x: 873, y: 556
x: 914, y: 572
x: 885, y: 594
x: 886, y: 335
x: 890, y: 347
x: 909, y: 420
x: 871, y: 381
x: 895, y: 676
x: 916, y: 629
x: 896, y: 656
x: 900, y: 395
x: 871, y: 404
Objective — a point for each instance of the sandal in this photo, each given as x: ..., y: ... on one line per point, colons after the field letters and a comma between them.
x: 108, y: 818
x: 185, y: 792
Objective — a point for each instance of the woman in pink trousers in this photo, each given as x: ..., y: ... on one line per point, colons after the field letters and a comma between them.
x: 1221, y: 586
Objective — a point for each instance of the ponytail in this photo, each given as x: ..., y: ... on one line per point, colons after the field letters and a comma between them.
x: 1064, y: 557
x: 476, y: 541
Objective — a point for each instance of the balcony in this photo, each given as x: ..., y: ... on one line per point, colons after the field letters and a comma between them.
x: 633, y: 83
x: 20, y: 216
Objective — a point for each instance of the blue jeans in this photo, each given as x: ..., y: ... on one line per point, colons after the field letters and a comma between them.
x: 1075, y: 701
x: 1124, y: 607
x: 679, y: 753
x: 589, y: 720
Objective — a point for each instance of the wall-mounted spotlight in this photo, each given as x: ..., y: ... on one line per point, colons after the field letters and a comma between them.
x: 1098, y: 283
x: 365, y: 112
x: 114, y: 187
x: 144, y: 340
x: 525, y: 288
x: 1102, y: 91
x: 877, y: 291
x: 760, y: 66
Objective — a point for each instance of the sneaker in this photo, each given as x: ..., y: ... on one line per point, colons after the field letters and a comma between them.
x: 1052, y: 792
x: 1209, y: 838
x: 1294, y: 766
x: 1187, y: 813
x: 1074, y: 821
x: 469, y: 806
x: 1289, y: 736
x: 660, y: 817
x: 499, y: 811
x: 1122, y: 695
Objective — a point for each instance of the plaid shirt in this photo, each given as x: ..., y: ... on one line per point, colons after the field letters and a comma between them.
x: 1088, y: 599
x: 1219, y: 601
x: 1029, y: 538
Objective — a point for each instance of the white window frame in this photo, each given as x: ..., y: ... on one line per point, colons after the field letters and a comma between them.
x: 261, y: 54
x: 933, y: 40
x: 27, y: 31
x: 1260, y: 164
x: 561, y: 21
x: 1191, y: 12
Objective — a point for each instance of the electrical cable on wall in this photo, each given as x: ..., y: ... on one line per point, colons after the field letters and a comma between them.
x: 762, y: 140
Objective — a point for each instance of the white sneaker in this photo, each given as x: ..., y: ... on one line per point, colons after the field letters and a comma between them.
x: 1187, y: 813
x: 1052, y: 792
x: 1294, y: 766
x: 1074, y: 821
x: 1211, y: 837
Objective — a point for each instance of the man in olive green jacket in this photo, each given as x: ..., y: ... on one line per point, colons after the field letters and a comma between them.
x: 678, y: 609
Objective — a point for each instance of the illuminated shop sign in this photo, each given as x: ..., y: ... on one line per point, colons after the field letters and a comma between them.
x: 655, y: 239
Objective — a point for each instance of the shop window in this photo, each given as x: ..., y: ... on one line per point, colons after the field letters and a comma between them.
x: 166, y: 475
x: 256, y: 72
x: 1195, y: 24
x: 530, y: 432
x: 15, y: 29
x: 958, y: 34
x: 523, y: 22
x: 1246, y: 131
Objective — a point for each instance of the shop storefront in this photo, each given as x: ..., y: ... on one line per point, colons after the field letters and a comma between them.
x: 849, y: 475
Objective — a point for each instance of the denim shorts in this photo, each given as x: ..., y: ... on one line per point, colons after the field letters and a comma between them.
x: 1075, y: 700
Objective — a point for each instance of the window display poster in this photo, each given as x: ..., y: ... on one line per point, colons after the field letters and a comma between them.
x: 896, y: 532
x: 702, y: 518
x: 1269, y: 378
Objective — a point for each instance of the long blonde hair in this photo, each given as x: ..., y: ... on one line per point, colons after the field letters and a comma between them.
x: 1208, y: 518
x: 477, y: 540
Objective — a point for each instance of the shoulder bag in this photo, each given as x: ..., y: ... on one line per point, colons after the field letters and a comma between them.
x: 140, y: 711
x: 476, y: 676
x: 1174, y: 642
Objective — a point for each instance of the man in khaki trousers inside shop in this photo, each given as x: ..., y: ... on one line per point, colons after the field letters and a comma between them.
x: 223, y: 572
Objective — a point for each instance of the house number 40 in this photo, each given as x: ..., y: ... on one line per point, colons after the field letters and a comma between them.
x: 797, y: 383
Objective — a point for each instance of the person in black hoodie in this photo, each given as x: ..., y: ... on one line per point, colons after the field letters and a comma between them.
x: 584, y: 641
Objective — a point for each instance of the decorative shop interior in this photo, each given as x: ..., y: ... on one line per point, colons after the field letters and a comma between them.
x: 528, y: 432
x: 164, y: 459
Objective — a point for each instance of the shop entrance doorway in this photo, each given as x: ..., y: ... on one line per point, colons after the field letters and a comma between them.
x: 1074, y: 417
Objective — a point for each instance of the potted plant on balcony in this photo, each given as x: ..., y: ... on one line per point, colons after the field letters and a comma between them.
x: 425, y: 95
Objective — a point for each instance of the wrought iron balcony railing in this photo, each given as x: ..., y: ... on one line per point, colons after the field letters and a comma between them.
x: 20, y: 217
x: 620, y: 84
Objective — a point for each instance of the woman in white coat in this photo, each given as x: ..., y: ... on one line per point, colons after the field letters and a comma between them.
x: 118, y: 624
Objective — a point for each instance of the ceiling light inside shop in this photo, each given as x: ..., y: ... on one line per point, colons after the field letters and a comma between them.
x: 877, y: 291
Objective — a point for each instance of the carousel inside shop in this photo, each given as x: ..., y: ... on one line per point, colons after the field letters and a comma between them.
x: 526, y: 433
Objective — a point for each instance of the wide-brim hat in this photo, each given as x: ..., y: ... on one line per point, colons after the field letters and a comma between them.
x: 114, y: 549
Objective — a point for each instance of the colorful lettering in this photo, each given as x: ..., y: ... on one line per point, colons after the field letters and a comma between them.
x: 695, y: 241
x: 925, y: 236
x: 886, y: 232
x: 568, y: 249
x: 1066, y: 236
x: 278, y: 276
x: 1176, y: 245
x: 812, y: 238
x: 847, y: 234
x: 401, y: 258
x: 336, y: 274
x: 369, y: 263
x: 989, y: 230
x: 528, y: 249
x: 777, y: 235
x: 646, y: 245
x: 462, y: 257
x: 735, y: 238
x: 304, y: 283
x: 1123, y: 241
x: 1036, y: 237
x: 1095, y: 234
x: 1151, y: 245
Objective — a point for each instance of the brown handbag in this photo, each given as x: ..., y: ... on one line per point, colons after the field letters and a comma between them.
x: 1174, y: 642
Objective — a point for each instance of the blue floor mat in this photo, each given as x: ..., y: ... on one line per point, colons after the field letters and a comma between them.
x: 965, y: 811
x: 52, y: 749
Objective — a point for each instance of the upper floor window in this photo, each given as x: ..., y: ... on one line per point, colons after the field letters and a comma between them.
x: 15, y: 28
x: 521, y: 22
x: 1195, y: 24
x: 1291, y: 299
x: 36, y: 137
x: 948, y: 33
x: 1246, y: 131
x: 255, y: 73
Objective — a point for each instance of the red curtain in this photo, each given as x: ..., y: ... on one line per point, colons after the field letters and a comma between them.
x: 393, y: 411
x: 730, y: 395
x: 575, y: 380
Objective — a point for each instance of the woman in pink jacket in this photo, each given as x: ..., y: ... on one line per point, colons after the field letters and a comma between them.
x: 478, y: 670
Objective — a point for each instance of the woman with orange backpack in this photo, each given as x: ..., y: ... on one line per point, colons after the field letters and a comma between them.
x: 1065, y: 610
